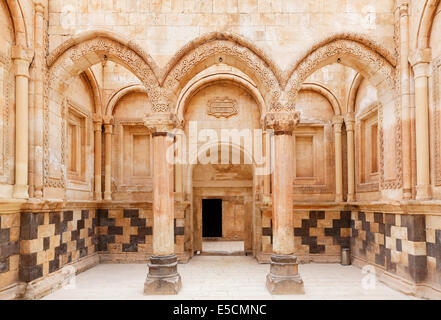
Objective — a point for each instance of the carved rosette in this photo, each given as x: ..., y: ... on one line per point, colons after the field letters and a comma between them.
x: 158, y: 122
x: 282, y: 121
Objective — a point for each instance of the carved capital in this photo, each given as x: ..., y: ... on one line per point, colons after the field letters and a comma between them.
x: 39, y: 6
x: 403, y: 9
x: 350, y: 121
x: 337, y: 121
x: 22, y: 59
x: 420, y: 62
x: 108, y: 120
x: 282, y: 121
x: 161, y: 122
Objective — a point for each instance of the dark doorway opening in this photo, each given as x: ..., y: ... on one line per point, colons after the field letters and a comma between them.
x: 212, y: 218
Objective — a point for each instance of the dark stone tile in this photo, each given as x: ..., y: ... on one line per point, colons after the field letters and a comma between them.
x: 317, y: 215
x: 300, y: 232
x: 433, y: 250
x: 131, y: 213
x: 46, y: 243
x: 8, y: 249
x: 136, y: 222
x: 345, y: 219
x: 54, y: 217
x: 361, y: 216
x: 316, y: 249
x: 131, y: 247
x: 382, y: 228
x: 84, y: 214
x: 28, y: 260
x: 416, y: 227
x: 4, y: 265
x: 67, y: 215
x: 390, y: 219
x: 148, y: 231
x: 399, y: 245
x: 80, y: 224
x: 378, y: 217
x: 75, y: 234
x: 332, y: 232
x: 112, y: 230
x: 30, y: 274
x: 81, y: 243
x: 83, y: 252
x: 54, y: 265
x: 438, y: 237
x: 179, y: 231
x: 417, y: 267
x: 4, y: 235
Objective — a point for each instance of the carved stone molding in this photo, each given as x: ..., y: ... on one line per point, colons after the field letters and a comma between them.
x: 436, y: 70
x: 160, y: 122
x: 374, y: 63
x: 222, y: 107
x: 282, y: 121
x: 267, y: 80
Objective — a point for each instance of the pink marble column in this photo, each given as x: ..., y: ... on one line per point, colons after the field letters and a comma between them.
x: 283, y: 277
x: 163, y: 276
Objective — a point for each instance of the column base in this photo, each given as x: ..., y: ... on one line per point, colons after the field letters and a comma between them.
x: 98, y: 196
x: 284, y: 276
x: 108, y: 196
x: 163, y: 277
x: 423, y: 192
x: 21, y: 192
x: 351, y: 198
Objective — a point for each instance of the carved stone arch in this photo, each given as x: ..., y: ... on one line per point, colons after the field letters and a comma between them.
x: 233, y: 77
x: 94, y: 86
x: 354, y: 54
x: 117, y: 96
x: 69, y: 61
x: 91, y: 47
x: 326, y: 93
x: 380, y: 72
x: 19, y: 21
x: 425, y: 24
x: 353, y: 91
x: 229, y: 49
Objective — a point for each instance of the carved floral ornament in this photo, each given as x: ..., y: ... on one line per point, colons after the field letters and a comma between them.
x: 282, y: 121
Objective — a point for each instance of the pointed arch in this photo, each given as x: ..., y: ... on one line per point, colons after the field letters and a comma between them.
x: 425, y: 24
x: 19, y: 21
x: 233, y: 77
x: 97, y: 98
x: 355, y: 51
x: 117, y: 96
x: 353, y: 91
x: 326, y: 93
x: 226, y: 48
x: 84, y: 50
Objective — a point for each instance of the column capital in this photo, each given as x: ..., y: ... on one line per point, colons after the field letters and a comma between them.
x: 420, y: 62
x: 281, y: 121
x: 22, y: 60
x: 338, y: 120
x: 403, y: 9
x: 39, y: 6
x: 108, y: 120
x: 161, y: 122
x: 350, y: 121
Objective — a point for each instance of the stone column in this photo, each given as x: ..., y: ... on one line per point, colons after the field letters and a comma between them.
x: 350, y: 128
x: 338, y: 122
x: 405, y: 100
x: 420, y: 65
x: 283, y: 277
x: 21, y: 57
x: 163, y: 276
x: 39, y: 63
x: 97, y: 128
x: 108, y: 131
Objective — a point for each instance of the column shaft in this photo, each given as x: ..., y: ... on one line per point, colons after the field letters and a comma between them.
x: 283, y: 242
x: 97, y: 160
x: 338, y: 161
x: 351, y: 156
x: 108, y: 162
x: 422, y: 129
x: 22, y: 126
x: 163, y: 197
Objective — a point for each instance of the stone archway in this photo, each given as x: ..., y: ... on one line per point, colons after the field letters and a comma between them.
x: 234, y: 186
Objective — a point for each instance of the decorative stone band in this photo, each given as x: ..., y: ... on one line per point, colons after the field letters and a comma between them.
x: 282, y: 122
x: 160, y: 122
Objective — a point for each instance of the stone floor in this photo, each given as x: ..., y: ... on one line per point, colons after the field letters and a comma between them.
x: 226, y: 278
x: 223, y: 247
